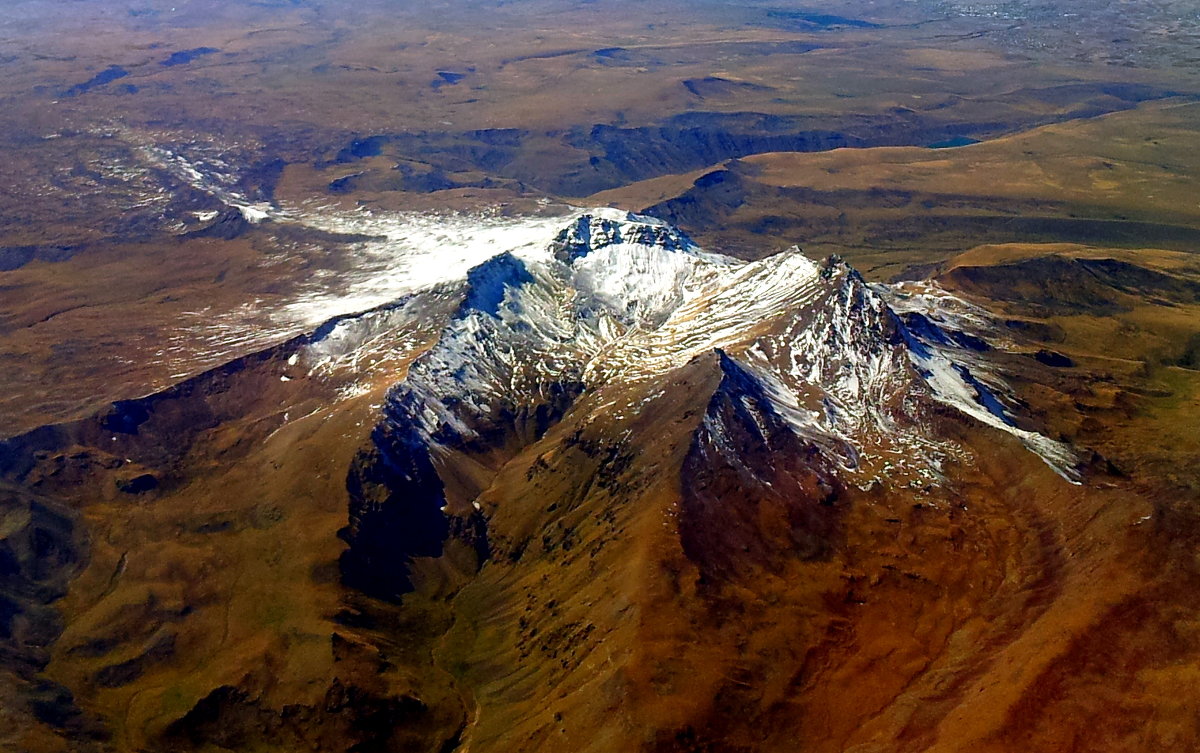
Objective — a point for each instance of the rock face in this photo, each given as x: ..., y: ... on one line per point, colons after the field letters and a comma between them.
x: 753, y: 491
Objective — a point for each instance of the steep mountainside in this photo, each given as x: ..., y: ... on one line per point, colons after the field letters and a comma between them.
x: 609, y: 491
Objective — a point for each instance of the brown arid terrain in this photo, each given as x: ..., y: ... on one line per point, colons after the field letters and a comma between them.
x: 1121, y: 179
x: 332, y: 419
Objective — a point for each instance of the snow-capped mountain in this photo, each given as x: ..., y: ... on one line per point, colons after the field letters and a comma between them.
x: 616, y: 302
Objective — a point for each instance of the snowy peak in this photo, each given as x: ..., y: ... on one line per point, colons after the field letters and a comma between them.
x: 489, y: 283
x: 633, y: 270
x: 822, y: 384
x: 614, y: 301
x: 600, y: 228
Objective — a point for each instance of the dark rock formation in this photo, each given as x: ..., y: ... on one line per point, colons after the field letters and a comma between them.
x: 754, y: 494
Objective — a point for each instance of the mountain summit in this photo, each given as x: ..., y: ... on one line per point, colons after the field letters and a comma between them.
x: 811, y: 361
